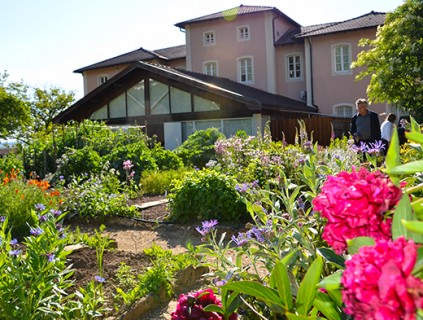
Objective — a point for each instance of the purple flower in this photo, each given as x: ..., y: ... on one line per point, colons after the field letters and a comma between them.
x: 2, y: 219
x: 13, y: 242
x: 242, y: 239
x: 36, y: 231
x: 40, y: 207
x: 51, y: 257
x: 42, y: 218
x: 15, y: 252
x: 56, y: 213
x: 99, y: 279
x: 206, y: 227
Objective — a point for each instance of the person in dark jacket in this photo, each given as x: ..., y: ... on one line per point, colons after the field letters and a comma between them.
x: 365, y: 125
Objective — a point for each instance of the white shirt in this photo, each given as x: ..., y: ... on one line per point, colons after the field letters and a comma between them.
x: 386, y: 130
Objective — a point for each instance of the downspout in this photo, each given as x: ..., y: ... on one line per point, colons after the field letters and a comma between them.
x: 309, y: 75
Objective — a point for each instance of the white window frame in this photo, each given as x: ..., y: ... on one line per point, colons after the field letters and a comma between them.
x: 300, y: 57
x: 334, y: 48
x: 209, y: 38
x: 241, y: 69
x: 208, y: 66
x: 241, y: 35
x: 344, y: 114
x: 103, y: 78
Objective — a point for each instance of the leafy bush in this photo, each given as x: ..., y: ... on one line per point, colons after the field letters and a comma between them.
x: 78, y: 162
x: 206, y: 194
x: 159, y: 182
x: 97, y: 195
x: 199, y: 148
x: 166, y: 159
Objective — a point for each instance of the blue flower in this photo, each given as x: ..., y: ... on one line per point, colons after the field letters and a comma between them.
x: 40, y: 207
x: 99, y: 279
x: 242, y: 239
x: 206, y: 227
x: 15, y: 252
x: 36, y: 231
x: 13, y: 242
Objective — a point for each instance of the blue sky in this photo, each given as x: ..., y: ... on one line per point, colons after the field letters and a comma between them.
x: 44, y: 41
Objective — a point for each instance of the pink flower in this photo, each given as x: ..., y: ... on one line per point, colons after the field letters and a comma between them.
x: 354, y: 205
x: 378, y: 284
x: 127, y: 165
x: 191, y: 306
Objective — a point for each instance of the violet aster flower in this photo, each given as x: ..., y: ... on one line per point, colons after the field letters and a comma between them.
x: 40, y: 207
x: 99, y: 279
x: 206, y: 227
x: 13, y: 242
x: 36, y: 231
x: 15, y: 252
x: 242, y: 239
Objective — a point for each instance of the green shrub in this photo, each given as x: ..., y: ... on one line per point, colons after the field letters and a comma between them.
x: 166, y: 159
x: 11, y: 161
x: 206, y: 194
x: 158, y: 182
x: 76, y: 162
x: 97, y: 195
x: 199, y: 148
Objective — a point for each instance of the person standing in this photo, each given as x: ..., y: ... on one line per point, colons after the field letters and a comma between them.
x: 365, y: 125
x: 387, y: 128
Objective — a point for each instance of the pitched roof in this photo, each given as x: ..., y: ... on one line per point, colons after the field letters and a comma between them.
x: 168, y: 54
x: 369, y: 20
x: 267, y: 99
x: 253, y: 99
x: 230, y: 14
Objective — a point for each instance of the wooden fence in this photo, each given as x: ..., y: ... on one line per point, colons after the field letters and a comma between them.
x: 320, y: 128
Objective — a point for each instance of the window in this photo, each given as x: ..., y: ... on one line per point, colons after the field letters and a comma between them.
x: 342, y: 58
x: 294, y: 67
x: 245, y: 69
x: 180, y: 101
x: 159, y: 98
x: 209, y: 38
x: 344, y: 111
x: 136, y: 100
x: 201, y: 104
x: 243, y: 33
x: 102, y: 79
x: 117, y: 107
x: 210, y: 68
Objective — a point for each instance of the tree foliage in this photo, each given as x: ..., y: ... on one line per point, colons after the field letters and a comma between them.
x: 394, y: 59
x: 47, y: 104
x: 14, y: 109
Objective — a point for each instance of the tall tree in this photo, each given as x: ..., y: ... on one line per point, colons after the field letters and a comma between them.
x: 47, y: 104
x: 394, y: 59
x: 14, y: 107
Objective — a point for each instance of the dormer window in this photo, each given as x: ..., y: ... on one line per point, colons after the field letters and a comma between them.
x: 243, y: 33
x: 209, y: 38
x: 102, y: 79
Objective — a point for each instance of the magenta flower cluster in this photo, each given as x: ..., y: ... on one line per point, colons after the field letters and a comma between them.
x: 354, y: 205
x: 191, y: 306
x: 378, y: 282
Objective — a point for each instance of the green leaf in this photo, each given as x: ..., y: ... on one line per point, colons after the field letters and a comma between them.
x: 393, y: 157
x: 280, y: 279
x: 331, y: 282
x: 292, y: 316
x: 257, y: 290
x: 415, y: 137
x: 331, y: 256
x: 327, y: 306
x: 308, y: 287
x: 289, y: 257
x: 404, y: 213
x: 358, y: 242
x: 414, y: 226
x: 408, y: 168
x: 214, y: 308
